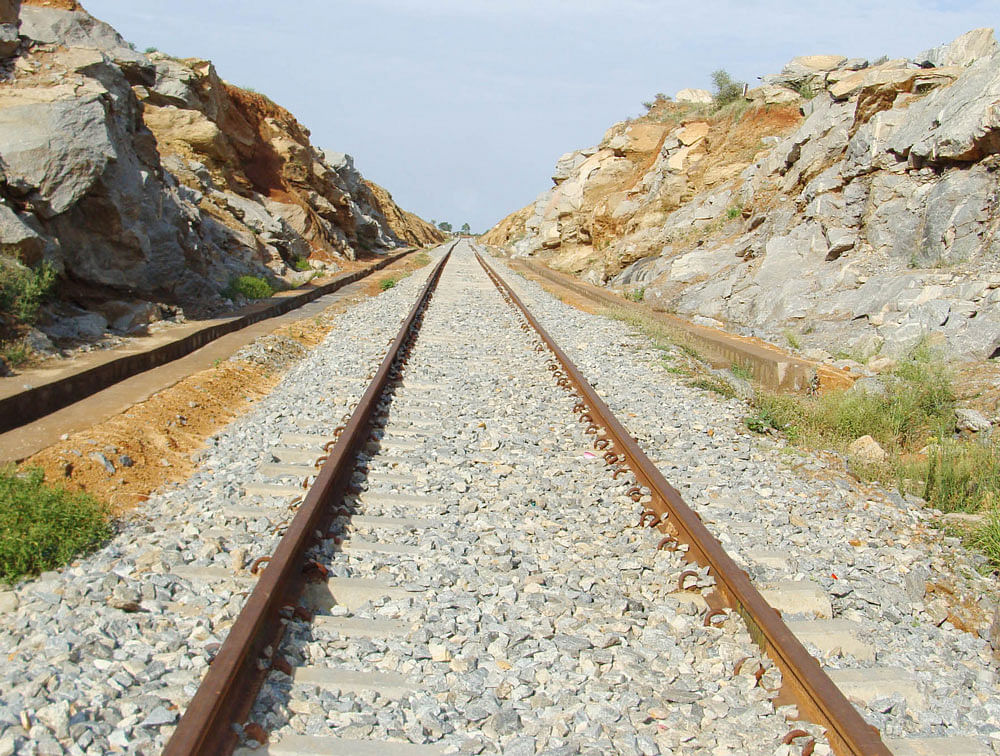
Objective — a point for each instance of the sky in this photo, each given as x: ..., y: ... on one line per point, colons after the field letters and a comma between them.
x: 460, y: 108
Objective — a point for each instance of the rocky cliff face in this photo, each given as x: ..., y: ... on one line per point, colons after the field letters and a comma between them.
x: 143, y: 179
x: 849, y: 207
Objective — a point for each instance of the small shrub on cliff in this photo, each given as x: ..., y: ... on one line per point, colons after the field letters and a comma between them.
x: 43, y: 527
x: 251, y: 287
x: 727, y: 90
x: 301, y: 264
x: 22, y: 289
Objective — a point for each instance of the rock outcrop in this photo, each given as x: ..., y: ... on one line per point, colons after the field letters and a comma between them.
x: 145, y: 179
x: 853, y: 205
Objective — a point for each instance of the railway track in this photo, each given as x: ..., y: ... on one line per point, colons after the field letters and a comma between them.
x: 366, y: 510
x: 462, y: 550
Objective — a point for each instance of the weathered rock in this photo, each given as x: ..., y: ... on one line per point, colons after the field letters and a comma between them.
x: 971, y: 420
x: 869, y: 386
x: 55, y: 149
x: 17, y: 238
x: 894, y: 80
x: 866, y: 450
x: 698, y: 96
x: 84, y: 327
x: 129, y: 317
x: 959, y: 123
x: 770, y: 94
x: 963, y: 51
x: 39, y: 343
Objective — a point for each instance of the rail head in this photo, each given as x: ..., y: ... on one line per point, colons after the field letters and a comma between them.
x: 819, y: 699
x: 230, y: 686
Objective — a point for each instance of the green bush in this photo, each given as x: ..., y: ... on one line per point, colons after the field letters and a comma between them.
x: 301, y: 264
x: 726, y: 89
x: 42, y: 527
x: 251, y: 287
x: 387, y: 283
x: 22, y: 289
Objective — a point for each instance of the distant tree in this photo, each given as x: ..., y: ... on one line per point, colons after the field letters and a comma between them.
x: 445, y: 226
x: 727, y: 90
x: 466, y: 228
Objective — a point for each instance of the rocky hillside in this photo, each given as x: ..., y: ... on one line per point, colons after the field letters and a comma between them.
x: 846, y: 207
x: 149, y: 184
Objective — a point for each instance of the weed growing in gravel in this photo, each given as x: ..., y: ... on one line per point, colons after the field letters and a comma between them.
x: 422, y: 259
x: 741, y: 371
x: 251, y: 287
x: 709, y: 383
x: 43, y: 527
x: 387, y: 283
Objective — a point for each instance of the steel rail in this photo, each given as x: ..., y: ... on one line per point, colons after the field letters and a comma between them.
x: 230, y: 687
x: 819, y: 699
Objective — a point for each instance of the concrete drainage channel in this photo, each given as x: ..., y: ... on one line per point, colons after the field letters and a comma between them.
x: 26, y: 405
x: 461, y: 566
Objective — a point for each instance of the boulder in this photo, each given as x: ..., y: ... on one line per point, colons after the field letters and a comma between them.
x: 881, y: 80
x: 959, y: 123
x: 964, y: 51
x: 770, y: 94
x: 693, y: 133
x: 971, y: 421
x: 17, y: 238
x: 867, y: 451
x: 39, y: 343
x: 816, y: 62
x: 53, y: 151
x: 129, y: 317
x: 869, y: 386
x: 88, y: 326
x: 567, y: 166
x: 189, y: 128
x: 697, y: 96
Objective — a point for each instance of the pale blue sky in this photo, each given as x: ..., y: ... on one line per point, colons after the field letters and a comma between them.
x: 461, y: 107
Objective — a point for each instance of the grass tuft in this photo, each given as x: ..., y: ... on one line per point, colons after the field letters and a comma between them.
x: 709, y: 383
x: 44, y: 527
x: 387, y: 283
x: 963, y: 476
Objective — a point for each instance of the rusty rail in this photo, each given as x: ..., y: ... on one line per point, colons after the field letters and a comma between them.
x: 228, y: 690
x: 803, y: 679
